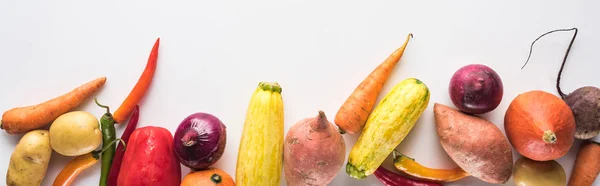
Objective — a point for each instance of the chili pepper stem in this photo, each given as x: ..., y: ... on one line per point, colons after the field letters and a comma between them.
x: 397, y: 154
x: 97, y: 153
x: 103, y: 106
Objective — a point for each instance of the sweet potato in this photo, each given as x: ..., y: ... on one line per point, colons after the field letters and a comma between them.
x: 475, y: 144
x: 314, y: 152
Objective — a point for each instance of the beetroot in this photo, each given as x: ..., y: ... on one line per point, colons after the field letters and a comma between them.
x: 584, y: 101
x: 476, y: 89
x: 200, y: 140
x: 314, y: 152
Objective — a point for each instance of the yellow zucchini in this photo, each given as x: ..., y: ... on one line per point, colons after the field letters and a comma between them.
x: 387, y: 126
x: 260, y: 154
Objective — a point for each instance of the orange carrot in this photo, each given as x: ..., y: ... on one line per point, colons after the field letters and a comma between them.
x: 352, y: 115
x: 140, y: 88
x: 587, y: 164
x: 24, y: 119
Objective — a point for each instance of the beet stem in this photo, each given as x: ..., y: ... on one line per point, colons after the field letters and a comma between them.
x: 560, y: 92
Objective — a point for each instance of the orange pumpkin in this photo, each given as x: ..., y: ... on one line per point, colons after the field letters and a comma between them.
x: 540, y: 125
x: 208, y: 177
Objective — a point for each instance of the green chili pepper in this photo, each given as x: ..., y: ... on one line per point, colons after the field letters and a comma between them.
x: 108, y: 135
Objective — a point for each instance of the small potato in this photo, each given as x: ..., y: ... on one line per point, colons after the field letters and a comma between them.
x: 29, y: 160
x: 75, y: 133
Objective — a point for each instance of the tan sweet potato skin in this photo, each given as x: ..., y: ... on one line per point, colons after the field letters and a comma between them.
x: 313, y: 156
x: 475, y: 144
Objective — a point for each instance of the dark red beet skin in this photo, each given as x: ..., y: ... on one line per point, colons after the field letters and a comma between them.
x: 476, y: 89
x: 200, y: 140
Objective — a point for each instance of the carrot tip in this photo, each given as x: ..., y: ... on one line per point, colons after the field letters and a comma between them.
x: 411, y: 35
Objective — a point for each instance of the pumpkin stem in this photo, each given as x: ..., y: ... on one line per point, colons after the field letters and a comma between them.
x: 549, y: 137
x: 216, y: 178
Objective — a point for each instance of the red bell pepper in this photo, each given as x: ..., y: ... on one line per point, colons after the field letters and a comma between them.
x: 150, y: 159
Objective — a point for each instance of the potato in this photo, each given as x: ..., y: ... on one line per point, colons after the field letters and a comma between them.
x: 29, y: 160
x: 75, y: 133
x: 475, y: 144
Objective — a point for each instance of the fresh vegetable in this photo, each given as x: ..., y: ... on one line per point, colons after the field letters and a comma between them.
x: 412, y: 168
x: 24, y: 119
x: 208, y: 177
x: 584, y: 101
x: 75, y: 133
x: 113, y: 174
x: 108, y: 135
x: 260, y: 154
x: 387, y: 126
x: 585, y: 104
x: 389, y: 178
x: 200, y: 140
x: 539, y: 125
x: 544, y: 173
x: 150, y: 159
x: 587, y: 164
x: 140, y: 88
x: 314, y: 152
x: 353, y: 113
x: 476, y: 145
x: 77, y: 165
x: 476, y: 89
x: 29, y: 160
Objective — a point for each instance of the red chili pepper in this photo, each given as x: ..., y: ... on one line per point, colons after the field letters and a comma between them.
x: 140, y: 87
x: 390, y: 178
x: 118, y: 158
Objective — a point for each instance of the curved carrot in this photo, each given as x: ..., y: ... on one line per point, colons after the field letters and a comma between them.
x: 352, y: 115
x: 23, y: 119
x: 587, y: 164
x: 140, y: 87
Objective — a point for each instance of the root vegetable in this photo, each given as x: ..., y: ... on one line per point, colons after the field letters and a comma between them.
x: 539, y: 125
x: 200, y: 140
x: 476, y: 89
x: 29, y: 161
x: 587, y: 164
x: 75, y: 133
x: 584, y: 102
x: 314, y: 152
x: 23, y: 119
x: 353, y: 114
x: 475, y: 144
x: 543, y: 173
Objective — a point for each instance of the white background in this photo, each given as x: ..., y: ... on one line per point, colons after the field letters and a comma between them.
x: 213, y: 54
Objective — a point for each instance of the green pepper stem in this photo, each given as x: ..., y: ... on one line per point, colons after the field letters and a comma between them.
x: 97, y: 153
x: 103, y: 106
x: 398, y: 154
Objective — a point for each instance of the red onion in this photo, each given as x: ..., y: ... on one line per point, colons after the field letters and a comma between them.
x: 200, y: 140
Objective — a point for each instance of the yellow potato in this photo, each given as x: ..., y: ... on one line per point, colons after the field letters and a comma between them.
x: 29, y: 160
x: 75, y: 133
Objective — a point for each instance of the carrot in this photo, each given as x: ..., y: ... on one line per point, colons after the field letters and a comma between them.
x: 352, y: 115
x: 140, y: 88
x: 587, y: 164
x: 20, y: 120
